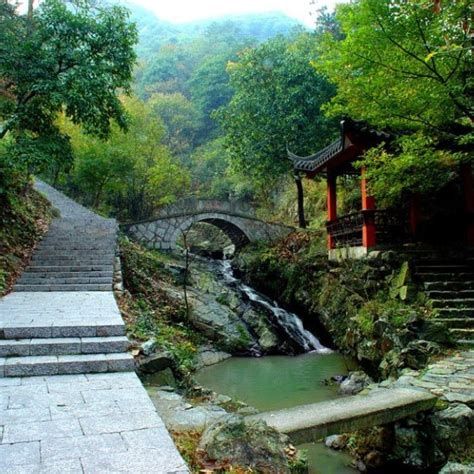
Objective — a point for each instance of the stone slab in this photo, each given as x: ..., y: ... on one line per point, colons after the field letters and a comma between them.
x: 314, y: 421
x: 100, y: 422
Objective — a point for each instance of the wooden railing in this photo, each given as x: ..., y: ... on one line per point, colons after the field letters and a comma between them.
x: 347, y: 230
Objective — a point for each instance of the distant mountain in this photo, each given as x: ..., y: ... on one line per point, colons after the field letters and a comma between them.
x: 155, y: 32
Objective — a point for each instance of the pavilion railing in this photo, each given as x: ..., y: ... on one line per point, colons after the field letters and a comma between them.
x: 391, y: 227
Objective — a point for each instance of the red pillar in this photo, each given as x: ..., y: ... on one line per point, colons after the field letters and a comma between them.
x: 368, y: 206
x: 415, y: 213
x: 331, y: 204
x: 468, y: 185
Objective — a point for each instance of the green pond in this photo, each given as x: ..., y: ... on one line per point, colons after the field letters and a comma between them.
x: 275, y: 382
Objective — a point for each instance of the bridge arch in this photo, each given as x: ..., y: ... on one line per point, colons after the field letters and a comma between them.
x: 232, y: 230
x: 236, y: 220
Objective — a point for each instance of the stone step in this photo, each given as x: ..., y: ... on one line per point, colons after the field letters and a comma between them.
x: 463, y: 333
x: 453, y: 303
x: 466, y: 343
x: 53, y: 279
x: 63, y: 346
x: 72, y: 255
x: 65, y: 274
x: 448, y: 268
x: 449, y: 285
x: 66, y: 287
x: 82, y: 244
x: 69, y: 268
x: 461, y: 323
x: 79, y: 237
x: 40, y: 330
x: 440, y: 294
x: 445, y: 277
x: 455, y: 312
x: 79, y: 262
x: 65, y: 364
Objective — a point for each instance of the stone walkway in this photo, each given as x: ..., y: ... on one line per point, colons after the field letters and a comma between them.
x: 450, y: 379
x: 94, y: 416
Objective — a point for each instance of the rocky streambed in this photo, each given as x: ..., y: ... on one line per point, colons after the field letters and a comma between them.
x: 261, y: 358
x: 240, y: 320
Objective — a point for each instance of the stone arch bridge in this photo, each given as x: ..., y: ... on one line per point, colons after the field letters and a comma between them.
x: 236, y: 219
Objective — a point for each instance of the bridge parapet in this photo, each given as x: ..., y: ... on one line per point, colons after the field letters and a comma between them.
x: 237, y: 220
x: 193, y: 206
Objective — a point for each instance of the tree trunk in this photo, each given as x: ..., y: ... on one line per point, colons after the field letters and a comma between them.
x: 186, y: 273
x: 299, y: 188
x: 30, y: 10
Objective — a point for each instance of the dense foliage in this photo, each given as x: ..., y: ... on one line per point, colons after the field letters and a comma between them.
x: 406, y: 66
x: 276, y: 104
x: 22, y: 224
x: 371, y: 309
x: 150, y: 311
x: 69, y: 58
x: 128, y: 175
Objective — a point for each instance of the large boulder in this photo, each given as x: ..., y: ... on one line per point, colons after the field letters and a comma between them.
x: 155, y: 362
x: 418, y: 353
x: 222, y: 324
x: 207, y: 356
x: 354, y: 383
x: 453, y: 426
x: 258, y: 321
x: 179, y: 415
x: 242, y: 443
x: 456, y: 468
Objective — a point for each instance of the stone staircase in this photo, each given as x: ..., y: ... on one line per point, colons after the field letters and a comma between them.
x: 449, y: 284
x: 61, y: 317
x: 77, y: 253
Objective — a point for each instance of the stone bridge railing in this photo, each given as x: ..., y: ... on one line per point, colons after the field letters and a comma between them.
x: 237, y: 220
x: 192, y: 206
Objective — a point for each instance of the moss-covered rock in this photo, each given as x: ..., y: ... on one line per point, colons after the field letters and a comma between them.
x: 369, y: 309
x: 241, y: 443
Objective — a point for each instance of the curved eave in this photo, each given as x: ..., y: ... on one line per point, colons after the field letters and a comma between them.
x: 319, y: 160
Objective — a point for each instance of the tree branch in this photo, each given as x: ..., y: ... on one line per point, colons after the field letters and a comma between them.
x: 414, y: 75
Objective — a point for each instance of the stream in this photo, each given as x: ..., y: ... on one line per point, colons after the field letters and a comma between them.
x: 275, y: 381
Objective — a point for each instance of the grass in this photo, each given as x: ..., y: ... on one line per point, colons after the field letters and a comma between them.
x: 150, y: 311
x: 22, y: 224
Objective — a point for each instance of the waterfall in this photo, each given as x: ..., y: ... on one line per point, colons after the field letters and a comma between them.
x: 289, y: 322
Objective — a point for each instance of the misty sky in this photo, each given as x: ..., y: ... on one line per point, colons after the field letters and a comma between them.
x: 189, y: 10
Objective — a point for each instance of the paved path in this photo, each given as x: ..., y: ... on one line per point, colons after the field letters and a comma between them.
x: 451, y: 379
x: 97, y: 417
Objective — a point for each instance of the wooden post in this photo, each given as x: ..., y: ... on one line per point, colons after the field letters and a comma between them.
x: 368, y: 208
x: 415, y: 213
x: 300, y: 197
x: 332, y: 204
x: 468, y: 185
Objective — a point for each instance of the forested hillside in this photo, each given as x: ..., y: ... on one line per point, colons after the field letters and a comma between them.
x: 192, y: 86
x: 212, y: 107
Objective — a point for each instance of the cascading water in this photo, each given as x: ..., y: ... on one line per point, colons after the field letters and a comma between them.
x: 290, y: 323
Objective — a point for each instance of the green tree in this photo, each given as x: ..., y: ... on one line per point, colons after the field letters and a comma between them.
x: 65, y: 56
x: 210, y: 89
x: 130, y: 174
x: 277, y: 102
x: 401, y: 64
x: 209, y: 164
x: 181, y: 119
x: 405, y: 66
